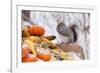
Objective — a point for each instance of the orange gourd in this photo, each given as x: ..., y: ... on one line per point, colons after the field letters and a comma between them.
x: 29, y: 59
x: 25, y: 52
x: 36, y: 30
x: 45, y: 57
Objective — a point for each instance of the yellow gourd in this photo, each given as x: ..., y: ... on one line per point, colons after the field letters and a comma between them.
x: 65, y: 55
x: 31, y: 46
x: 35, y: 39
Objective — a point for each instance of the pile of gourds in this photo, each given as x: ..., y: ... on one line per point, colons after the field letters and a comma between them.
x: 37, y: 47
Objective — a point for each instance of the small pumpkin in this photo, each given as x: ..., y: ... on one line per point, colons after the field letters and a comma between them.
x: 45, y: 57
x: 25, y: 52
x: 36, y: 30
x: 29, y: 59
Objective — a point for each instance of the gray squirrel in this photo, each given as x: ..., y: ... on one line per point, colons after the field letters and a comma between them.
x: 68, y: 34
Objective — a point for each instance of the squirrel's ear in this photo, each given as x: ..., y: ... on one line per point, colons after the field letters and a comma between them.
x: 73, y: 26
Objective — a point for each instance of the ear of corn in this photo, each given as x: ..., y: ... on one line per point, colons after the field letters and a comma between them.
x: 31, y: 46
